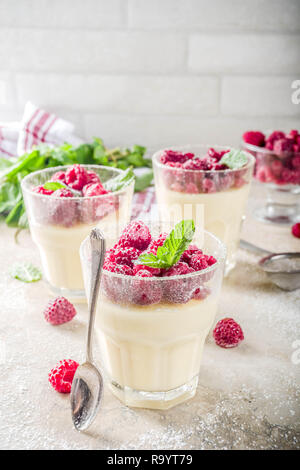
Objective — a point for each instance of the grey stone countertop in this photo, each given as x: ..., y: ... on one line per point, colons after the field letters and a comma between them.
x: 248, y: 397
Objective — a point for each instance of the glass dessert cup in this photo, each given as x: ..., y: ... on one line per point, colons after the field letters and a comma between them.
x: 151, y: 349
x: 218, y: 207
x: 59, y: 225
x: 282, y: 198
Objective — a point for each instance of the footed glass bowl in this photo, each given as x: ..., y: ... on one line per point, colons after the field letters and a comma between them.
x: 280, y: 176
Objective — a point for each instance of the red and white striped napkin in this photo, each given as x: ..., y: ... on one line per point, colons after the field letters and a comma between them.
x: 37, y: 126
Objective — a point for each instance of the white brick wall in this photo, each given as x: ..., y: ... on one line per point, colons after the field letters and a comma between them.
x: 156, y: 72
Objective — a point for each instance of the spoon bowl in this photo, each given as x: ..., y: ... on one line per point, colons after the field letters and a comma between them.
x: 86, y: 395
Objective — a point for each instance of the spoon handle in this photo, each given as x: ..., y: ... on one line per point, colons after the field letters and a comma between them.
x: 253, y: 248
x: 97, y: 242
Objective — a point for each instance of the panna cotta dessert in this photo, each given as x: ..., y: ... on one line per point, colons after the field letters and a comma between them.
x: 63, y: 205
x: 158, y: 298
x: 210, y: 185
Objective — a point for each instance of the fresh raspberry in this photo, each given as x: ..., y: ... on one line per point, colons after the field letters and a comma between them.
x: 137, y: 235
x: 293, y: 134
x: 191, y: 188
x: 254, y: 138
x: 174, y: 164
x: 264, y: 174
x: 194, y: 164
x: 92, y: 177
x: 208, y: 186
x: 276, y: 167
x: 199, y: 262
x: 152, y: 248
x: 59, y: 311
x: 61, y: 376
x: 173, y: 156
x: 287, y: 176
x: 276, y: 135
x: 42, y: 190
x: 178, y: 269
x: 126, y: 255
x: 76, y: 177
x: 145, y: 292
x: 201, y: 293
x: 212, y: 153
x: 118, y: 268
x: 178, y: 291
x: 64, y: 192
x: 110, y: 255
x: 228, y: 333
x: 141, y: 267
x: 93, y: 189
x: 283, y: 147
x: 296, y: 161
x: 239, y: 181
x: 187, y: 254
x: 143, y: 273
x: 210, y: 260
x: 296, y: 230
x: 59, y: 176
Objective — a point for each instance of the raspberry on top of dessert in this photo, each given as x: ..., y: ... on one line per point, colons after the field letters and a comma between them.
x: 218, y: 170
x: 72, y: 197
x: 277, y: 156
x: 148, y: 266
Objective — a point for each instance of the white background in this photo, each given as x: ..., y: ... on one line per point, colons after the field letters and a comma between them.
x: 154, y: 72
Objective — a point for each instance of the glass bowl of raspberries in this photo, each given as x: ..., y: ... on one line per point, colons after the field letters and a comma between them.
x: 277, y: 166
x: 63, y: 204
x: 210, y: 184
x: 152, y: 321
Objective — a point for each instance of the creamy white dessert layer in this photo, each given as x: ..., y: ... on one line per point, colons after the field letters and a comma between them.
x: 220, y: 212
x: 153, y: 348
x: 59, y: 248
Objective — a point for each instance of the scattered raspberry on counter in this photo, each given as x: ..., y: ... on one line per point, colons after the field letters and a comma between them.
x: 228, y: 333
x: 296, y: 230
x: 61, y: 376
x: 59, y: 311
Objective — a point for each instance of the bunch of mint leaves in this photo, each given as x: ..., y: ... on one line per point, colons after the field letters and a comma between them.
x: 13, y: 170
x: 174, y: 245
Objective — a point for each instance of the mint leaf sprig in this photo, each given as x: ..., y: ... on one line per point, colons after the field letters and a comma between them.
x: 25, y: 272
x: 174, y: 245
x: 234, y: 159
x: 120, y: 181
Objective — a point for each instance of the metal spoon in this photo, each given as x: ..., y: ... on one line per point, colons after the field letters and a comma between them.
x: 87, y: 384
x: 278, y: 266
